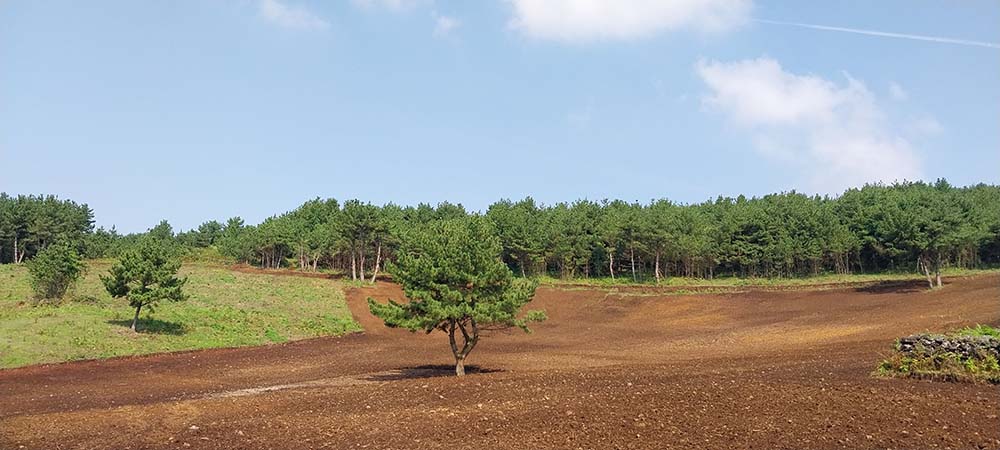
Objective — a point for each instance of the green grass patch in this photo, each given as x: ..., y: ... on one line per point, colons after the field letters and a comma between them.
x: 979, y: 330
x: 224, y: 309
x: 736, y: 282
x: 969, y: 354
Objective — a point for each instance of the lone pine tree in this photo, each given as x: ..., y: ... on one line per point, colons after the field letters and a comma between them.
x: 452, y: 273
x: 145, y: 274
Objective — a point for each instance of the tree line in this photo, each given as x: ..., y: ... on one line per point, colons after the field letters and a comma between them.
x: 29, y: 223
x: 871, y: 229
x: 912, y: 226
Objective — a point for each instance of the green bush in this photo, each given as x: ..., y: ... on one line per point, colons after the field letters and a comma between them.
x: 968, y: 354
x: 54, y: 270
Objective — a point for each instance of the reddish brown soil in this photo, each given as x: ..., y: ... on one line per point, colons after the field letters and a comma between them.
x: 607, y: 370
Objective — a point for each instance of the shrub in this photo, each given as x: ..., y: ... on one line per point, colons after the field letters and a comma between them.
x: 54, y: 270
x: 969, y: 354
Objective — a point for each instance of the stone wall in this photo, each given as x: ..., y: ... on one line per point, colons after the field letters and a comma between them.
x: 964, y: 346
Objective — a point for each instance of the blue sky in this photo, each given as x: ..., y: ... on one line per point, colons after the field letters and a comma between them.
x: 198, y: 110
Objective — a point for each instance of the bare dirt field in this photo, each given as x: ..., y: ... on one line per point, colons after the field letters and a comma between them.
x: 609, y: 369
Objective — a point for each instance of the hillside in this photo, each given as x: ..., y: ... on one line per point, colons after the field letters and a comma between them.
x: 225, y: 309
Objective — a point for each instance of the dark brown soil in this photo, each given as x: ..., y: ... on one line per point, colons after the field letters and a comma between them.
x: 609, y: 369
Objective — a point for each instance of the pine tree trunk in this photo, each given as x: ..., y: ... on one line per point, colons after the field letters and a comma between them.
x: 361, y: 265
x: 459, y: 360
x: 937, y: 269
x: 927, y: 271
x: 135, y: 320
x: 16, y: 260
x: 354, y: 265
x: 469, y: 342
x: 611, y: 264
x: 656, y: 267
x: 378, y: 256
x: 631, y: 255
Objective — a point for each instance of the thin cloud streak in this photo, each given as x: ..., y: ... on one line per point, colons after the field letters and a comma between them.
x: 915, y: 37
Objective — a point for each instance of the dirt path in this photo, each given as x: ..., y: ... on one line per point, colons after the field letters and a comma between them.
x: 607, y: 370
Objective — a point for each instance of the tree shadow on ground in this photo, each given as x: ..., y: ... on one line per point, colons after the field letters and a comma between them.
x: 426, y: 371
x: 153, y: 326
x: 894, y: 287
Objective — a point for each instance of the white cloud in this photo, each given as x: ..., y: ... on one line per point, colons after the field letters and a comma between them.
x: 588, y: 20
x: 836, y: 135
x: 290, y: 16
x: 443, y: 25
x: 927, y: 126
x: 758, y: 91
x: 897, y: 92
x: 392, y: 5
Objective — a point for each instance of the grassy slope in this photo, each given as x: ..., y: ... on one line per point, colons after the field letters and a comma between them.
x: 626, y: 280
x: 225, y: 309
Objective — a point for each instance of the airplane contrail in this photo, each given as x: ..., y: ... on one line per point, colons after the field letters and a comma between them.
x: 916, y: 37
